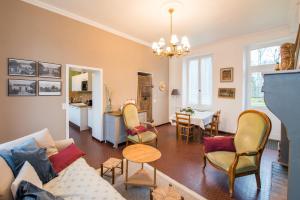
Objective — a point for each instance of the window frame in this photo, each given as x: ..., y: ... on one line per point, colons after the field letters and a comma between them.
x: 266, y: 68
x: 186, y: 85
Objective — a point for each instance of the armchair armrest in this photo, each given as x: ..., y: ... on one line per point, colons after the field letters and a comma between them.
x: 152, y: 126
x: 237, y: 157
x: 61, y: 144
x: 248, y: 153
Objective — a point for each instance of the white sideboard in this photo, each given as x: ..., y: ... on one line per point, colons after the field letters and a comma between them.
x: 114, y: 127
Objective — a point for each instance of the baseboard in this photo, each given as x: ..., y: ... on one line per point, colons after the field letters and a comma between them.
x: 164, y: 124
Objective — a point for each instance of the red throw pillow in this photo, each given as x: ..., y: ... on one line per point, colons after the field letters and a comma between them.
x: 65, y: 157
x: 137, y: 129
x: 225, y: 143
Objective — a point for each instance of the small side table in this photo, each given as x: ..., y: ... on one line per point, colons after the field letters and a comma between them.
x: 162, y: 193
x: 140, y: 153
x: 110, y: 165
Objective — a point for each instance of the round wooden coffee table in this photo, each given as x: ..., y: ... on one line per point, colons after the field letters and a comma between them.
x: 140, y: 153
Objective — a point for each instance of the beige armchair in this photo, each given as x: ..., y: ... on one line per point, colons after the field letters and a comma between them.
x: 131, y: 120
x: 251, y: 136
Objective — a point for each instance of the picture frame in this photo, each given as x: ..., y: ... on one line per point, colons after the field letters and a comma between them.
x: 50, y: 88
x: 226, y: 74
x: 49, y: 70
x: 228, y: 93
x: 22, y: 87
x: 21, y: 67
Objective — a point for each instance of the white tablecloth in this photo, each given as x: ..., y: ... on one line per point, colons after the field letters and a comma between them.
x: 198, y: 118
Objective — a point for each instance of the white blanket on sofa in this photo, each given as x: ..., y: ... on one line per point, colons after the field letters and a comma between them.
x: 80, y: 181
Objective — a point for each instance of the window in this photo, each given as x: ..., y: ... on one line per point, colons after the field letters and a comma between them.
x: 197, y: 82
x: 260, y: 60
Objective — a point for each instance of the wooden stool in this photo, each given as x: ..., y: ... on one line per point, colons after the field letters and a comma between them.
x: 110, y: 165
x: 162, y: 193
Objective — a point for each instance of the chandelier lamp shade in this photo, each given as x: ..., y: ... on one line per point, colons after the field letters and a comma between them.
x: 174, y: 47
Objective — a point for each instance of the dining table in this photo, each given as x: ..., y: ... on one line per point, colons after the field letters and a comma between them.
x: 198, y: 118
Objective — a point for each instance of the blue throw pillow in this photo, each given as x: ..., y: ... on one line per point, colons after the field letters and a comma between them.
x: 39, y: 161
x: 28, y: 191
x: 29, y: 145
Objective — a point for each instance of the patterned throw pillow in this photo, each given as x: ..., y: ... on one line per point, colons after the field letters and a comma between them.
x: 39, y: 161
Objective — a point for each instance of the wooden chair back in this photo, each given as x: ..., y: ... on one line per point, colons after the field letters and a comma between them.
x: 183, y: 120
x: 216, y: 117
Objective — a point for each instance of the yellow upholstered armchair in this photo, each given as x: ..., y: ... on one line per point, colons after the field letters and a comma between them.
x: 250, y: 139
x: 138, y: 132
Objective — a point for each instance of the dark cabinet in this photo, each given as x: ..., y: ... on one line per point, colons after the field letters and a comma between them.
x: 282, y: 97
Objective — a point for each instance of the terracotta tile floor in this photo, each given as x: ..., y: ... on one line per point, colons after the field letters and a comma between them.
x: 183, y: 162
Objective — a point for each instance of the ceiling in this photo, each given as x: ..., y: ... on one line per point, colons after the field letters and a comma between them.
x: 202, y: 21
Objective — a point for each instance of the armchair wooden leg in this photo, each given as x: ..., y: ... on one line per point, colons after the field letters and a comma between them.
x: 156, y: 143
x: 257, y: 176
x: 126, y: 143
x: 231, y: 184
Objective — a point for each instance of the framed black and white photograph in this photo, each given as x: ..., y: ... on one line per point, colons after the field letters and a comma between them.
x: 21, y: 67
x: 49, y: 88
x: 21, y: 87
x: 49, y: 70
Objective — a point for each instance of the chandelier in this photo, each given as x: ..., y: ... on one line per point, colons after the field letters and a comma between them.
x: 174, y: 47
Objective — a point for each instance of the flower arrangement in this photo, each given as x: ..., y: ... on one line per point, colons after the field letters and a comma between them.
x: 108, y: 93
x: 188, y: 110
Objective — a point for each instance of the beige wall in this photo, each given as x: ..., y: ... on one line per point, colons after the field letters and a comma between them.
x: 32, y: 33
x: 230, y: 53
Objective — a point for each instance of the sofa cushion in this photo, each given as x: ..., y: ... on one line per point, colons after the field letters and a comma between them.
x: 29, y: 145
x: 6, y: 179
x: 224, y: 159
x: 38, y: 159
x: 28, y: 191
x: 45, y: 140
x: 65, y: 157
x: 146, y: 137
x: 27, y: 173
x: 6, y: 175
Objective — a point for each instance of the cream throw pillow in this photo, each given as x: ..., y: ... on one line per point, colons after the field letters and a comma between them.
x: 27, y: 173
x: 45, y: 140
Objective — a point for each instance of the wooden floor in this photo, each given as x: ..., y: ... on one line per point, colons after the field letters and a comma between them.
x: 183, y: 162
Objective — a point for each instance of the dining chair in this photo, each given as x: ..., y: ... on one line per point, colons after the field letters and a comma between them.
x: 184, y: 126
x: 138, y: 132
x: 214, y: 125
x: 250, y: 140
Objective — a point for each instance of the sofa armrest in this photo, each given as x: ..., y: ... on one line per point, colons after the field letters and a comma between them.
x: 61, y: 144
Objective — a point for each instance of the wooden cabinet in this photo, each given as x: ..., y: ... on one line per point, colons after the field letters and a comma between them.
x: 114, y: 127
x: 79, y: 116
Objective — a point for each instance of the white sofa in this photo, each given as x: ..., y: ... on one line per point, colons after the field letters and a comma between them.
x: 77, y: 181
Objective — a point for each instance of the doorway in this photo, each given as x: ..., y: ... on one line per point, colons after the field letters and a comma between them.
x: 144, y: 96
x: 84, y: 100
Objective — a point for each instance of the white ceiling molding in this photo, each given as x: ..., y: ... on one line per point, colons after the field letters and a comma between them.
x: 85, y: 21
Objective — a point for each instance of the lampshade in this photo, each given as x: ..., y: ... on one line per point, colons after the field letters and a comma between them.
x: 175, y: 92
